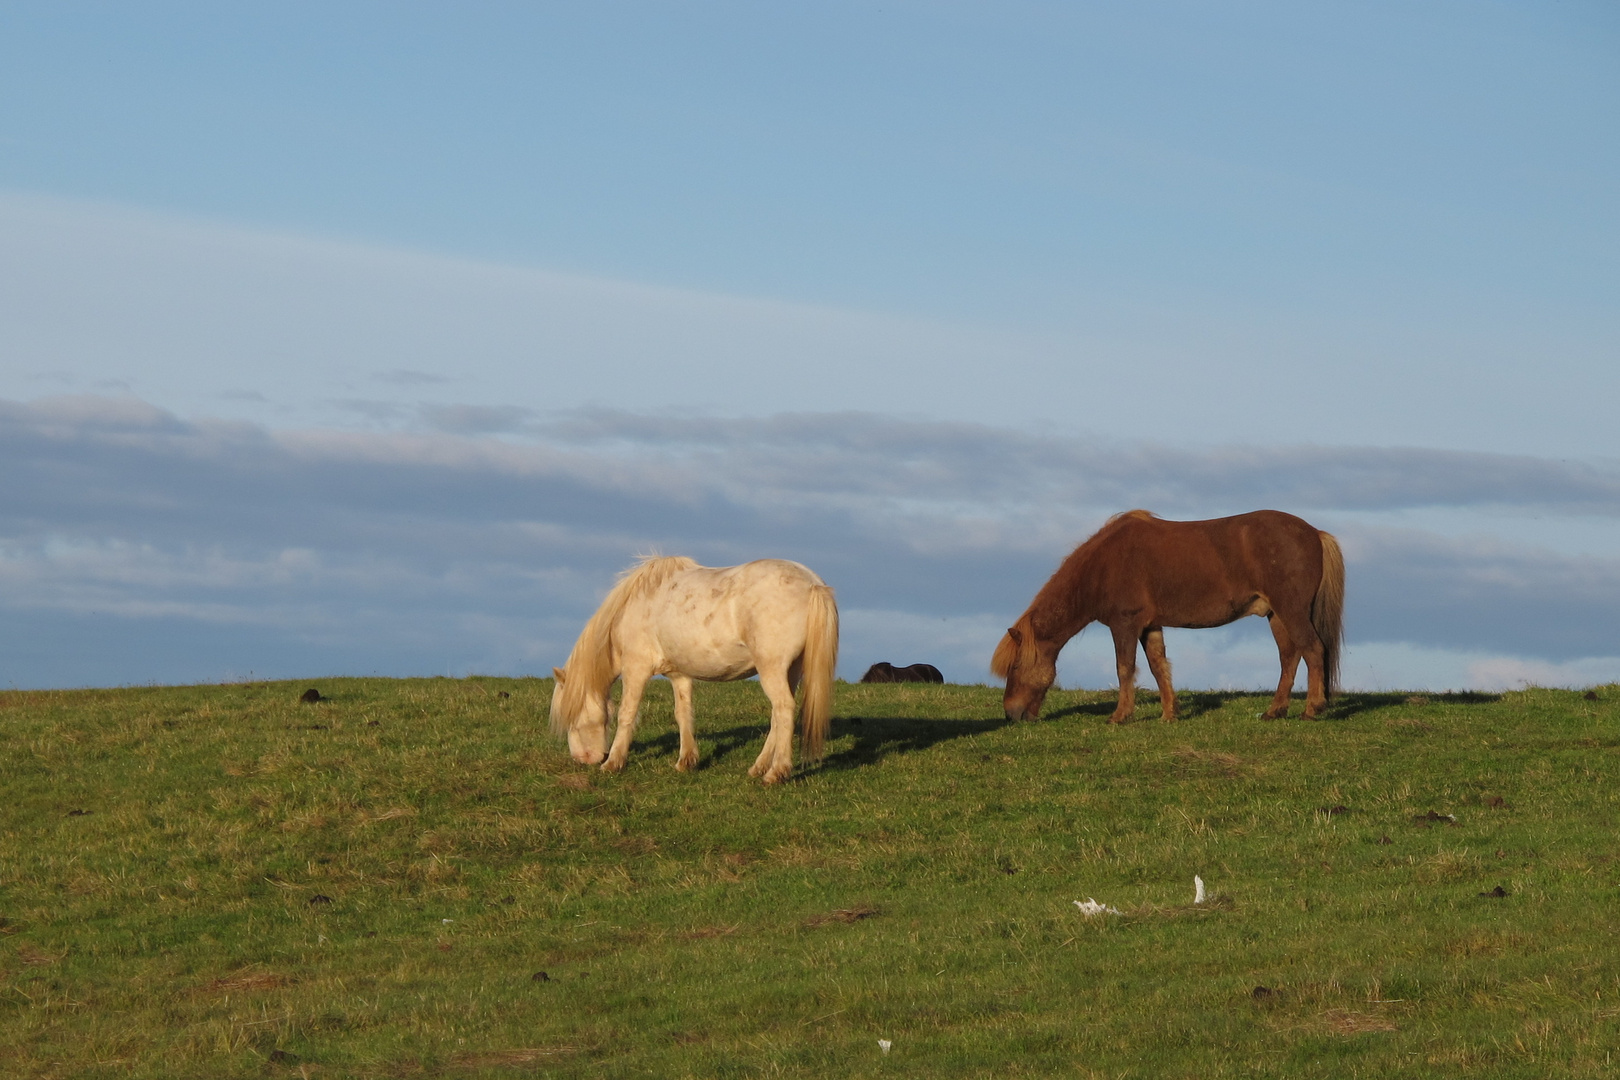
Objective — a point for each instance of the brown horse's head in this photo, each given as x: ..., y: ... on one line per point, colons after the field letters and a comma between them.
x: 1030, y: 669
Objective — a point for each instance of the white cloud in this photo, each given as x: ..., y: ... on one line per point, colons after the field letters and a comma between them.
x: 295, y: 331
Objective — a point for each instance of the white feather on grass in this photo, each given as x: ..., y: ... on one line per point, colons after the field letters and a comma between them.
x: 1198, y: 889
x: 1089, y: 907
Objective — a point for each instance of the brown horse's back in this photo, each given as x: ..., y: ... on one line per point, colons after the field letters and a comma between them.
x: 1205, y: 573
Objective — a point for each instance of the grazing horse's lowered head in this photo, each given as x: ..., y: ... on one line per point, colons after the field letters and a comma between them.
x: 586, y: 725
x: 1029, y: 665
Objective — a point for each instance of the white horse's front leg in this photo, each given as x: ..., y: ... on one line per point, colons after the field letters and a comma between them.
x: 633, y: 684
x: 775, y: 762
x: 686, y: 722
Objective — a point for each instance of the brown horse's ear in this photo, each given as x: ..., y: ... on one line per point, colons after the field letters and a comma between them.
x: 1012, y: 632
x: 557, y: 673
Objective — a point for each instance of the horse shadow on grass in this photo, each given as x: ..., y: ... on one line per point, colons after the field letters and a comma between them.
x: 878, y: 737
x: 1192, y: 704
x: 875, y: 739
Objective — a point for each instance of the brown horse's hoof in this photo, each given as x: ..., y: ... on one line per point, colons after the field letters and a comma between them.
x: 612, y: 766
x: 778, y: 773
x: 1169, y: 718
x: 1117, y: 719
x: 686, y: 764
x: 1274, y: 714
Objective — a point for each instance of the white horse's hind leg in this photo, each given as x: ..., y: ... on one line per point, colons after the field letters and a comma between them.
x: 775, y: 762
x: 685, y: 720
x: 634, y: 684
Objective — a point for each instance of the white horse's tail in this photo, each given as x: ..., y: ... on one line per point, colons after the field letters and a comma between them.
x: 819, y: 665
x: 591, y: 666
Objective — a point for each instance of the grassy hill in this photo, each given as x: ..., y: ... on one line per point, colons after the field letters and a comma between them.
x: 413, y: 879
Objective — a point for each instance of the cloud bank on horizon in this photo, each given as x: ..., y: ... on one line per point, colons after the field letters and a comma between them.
x: 136, y: 546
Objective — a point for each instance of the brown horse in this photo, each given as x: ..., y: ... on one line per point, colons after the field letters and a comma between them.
x: 1139, y: 574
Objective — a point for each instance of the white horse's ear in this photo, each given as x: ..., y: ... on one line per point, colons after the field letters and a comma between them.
x: 557, y: 673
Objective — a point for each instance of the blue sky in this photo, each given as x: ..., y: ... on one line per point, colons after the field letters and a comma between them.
x: 749, y: 280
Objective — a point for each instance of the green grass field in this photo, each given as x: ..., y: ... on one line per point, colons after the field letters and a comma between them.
x: 413, y: 879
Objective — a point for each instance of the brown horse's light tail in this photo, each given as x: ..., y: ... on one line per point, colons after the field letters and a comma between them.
x: 819, y: 665
x: 1327, y: 610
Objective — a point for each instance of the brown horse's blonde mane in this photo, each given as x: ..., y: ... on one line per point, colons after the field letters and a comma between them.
x: 1001, y: 663
x: 591, y: 666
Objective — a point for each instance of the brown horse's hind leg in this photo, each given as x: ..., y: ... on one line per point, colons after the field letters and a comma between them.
x: 1288, y: 655
x: 1159, y: 664
x: 1316, y: 677
x: 1125, y: 664
x: 685, y: 720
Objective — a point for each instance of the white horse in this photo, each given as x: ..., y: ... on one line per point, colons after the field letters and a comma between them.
x: 670, y: 616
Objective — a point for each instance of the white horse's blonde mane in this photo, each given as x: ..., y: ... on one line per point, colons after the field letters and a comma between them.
x: 592, y: 667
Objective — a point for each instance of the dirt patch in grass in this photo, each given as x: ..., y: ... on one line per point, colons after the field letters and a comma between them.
x: 1486, y: 943
x: 512, y: 1059
x: 1345, y: 1022
x: 1212, y: 763
x: 248, y: 982
x: 844, y: 915
x: 636, y: 845
x: 34, y: 957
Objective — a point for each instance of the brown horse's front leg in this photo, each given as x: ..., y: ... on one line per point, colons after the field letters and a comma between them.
x: 1125, y: 664
x: 1159, y: 664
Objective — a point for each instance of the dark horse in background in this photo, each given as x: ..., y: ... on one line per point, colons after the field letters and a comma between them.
x: 886, y: 672
x: 1139, y: 574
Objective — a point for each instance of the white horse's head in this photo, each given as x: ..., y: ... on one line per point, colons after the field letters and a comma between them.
x: 586, y: 726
